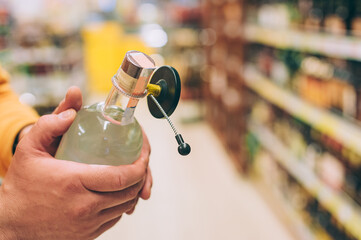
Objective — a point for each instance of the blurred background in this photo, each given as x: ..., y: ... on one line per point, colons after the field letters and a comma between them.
x: 270, y: 104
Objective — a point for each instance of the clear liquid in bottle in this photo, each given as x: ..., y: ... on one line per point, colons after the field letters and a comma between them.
x: 94, y: 139
x: 107, y: 133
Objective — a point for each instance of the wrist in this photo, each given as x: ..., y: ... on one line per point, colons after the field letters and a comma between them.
x: 6, y: 231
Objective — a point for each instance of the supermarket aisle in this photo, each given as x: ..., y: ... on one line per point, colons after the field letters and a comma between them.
x: 197, y: 197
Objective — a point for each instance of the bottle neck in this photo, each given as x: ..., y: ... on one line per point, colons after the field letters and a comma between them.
x: 118, y: 108
x: 129, y: 85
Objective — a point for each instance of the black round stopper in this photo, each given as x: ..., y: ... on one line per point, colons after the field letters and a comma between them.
x: 184, y: 149
x: 168, y: 79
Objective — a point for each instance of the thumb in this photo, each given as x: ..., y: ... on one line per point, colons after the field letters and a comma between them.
x: 48, y: 128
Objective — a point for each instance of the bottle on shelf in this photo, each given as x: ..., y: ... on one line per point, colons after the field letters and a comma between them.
x: 297, y: 200
x: 337, y: 14
x: 314, y: 17
x: 107, y: 132
x: 325, y: 82
x: 356, y: 19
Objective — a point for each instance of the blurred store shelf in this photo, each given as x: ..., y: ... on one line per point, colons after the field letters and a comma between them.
x: 331, y: 45
x: 345, y: 210
x: 346, y: 132
x: 286, y: 213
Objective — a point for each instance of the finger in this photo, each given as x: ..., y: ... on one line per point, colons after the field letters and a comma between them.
x: 116, y: 211
x: 133, y: 208
x: 106, y: 226
x: 146, y: 190
x: 146, y: 144
x: 73, y: 99
x: 110, y: 199
x: 48, y: 128
x: 102, y: 178
x: 25, y: 131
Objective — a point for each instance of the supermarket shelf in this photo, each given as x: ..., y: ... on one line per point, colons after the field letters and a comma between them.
x: 345, y: 132
x: 343, y: 208
x: 286, y: 213
x: 345, y: 47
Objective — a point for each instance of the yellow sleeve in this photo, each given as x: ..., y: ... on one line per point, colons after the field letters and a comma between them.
x: 13, y: 117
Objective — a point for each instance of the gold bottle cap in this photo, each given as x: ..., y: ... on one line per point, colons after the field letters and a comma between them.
x: 134, y: 63
x: 134, y: 73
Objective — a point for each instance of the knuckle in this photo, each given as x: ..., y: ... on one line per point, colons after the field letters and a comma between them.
x: 43, y: 122
x: 81, y: 211
x: 85, y: 210
x: 71, y: 187
x: 44, y: 119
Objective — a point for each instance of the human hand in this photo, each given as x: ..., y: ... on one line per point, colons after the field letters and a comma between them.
x: 45, y: 198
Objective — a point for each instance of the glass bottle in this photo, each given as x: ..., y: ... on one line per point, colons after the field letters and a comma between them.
x: 107, y: 132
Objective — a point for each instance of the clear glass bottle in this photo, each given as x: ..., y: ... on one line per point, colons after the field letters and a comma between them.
x: 107, y: 132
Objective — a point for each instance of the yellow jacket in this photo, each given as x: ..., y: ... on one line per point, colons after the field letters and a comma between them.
x: 13, y: 117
